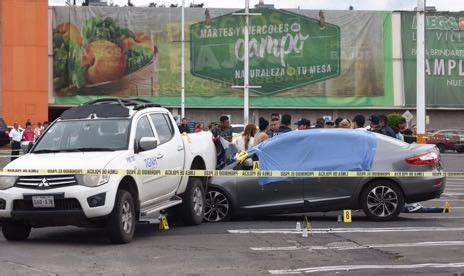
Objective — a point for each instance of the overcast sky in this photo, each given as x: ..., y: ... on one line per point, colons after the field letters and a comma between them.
x: 442, y: 5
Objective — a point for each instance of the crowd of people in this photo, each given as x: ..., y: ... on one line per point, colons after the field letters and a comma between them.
x: 253, y: 135
x: 18, y: 135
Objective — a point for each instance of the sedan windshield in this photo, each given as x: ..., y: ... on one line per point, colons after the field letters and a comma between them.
x: 85, y: 135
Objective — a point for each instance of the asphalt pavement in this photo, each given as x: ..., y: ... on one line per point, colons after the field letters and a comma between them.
x: 428, y: 243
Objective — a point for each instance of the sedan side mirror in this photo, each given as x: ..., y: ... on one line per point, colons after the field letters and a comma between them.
x: 147, y: 143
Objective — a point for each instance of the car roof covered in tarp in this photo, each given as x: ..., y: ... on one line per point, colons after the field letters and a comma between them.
x: 316, y: 150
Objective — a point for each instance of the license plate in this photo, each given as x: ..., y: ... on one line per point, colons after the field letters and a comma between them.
x: 43, y: 202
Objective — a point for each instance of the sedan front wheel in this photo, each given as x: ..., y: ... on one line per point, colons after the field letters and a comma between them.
x: 218, y: 207
x: 382, y: 201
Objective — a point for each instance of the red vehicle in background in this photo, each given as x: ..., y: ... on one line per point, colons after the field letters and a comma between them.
x: 447, y: 139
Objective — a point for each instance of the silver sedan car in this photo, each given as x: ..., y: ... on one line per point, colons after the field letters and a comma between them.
x: 381, y: 198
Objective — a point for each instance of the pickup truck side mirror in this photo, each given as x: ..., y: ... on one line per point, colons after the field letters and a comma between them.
x: 147, y: 143
x: 26, y: 146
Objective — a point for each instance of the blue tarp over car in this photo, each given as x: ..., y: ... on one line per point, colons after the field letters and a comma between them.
x: 316, y: 150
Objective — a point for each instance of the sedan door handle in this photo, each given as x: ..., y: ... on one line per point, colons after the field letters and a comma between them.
x: 159, y: 156
x: 179, y: 148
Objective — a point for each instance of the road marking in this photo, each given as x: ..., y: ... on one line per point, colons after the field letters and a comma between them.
x: 346, y: 230
x: 360, y: 267
x: 453, y: 194
x: 443, y: 199
x: 445, y: 216
x: 356, y: 247
x: 452, y: 207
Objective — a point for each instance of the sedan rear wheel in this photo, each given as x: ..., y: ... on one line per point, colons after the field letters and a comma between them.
x: 218, y: 207
x: 382, y: 201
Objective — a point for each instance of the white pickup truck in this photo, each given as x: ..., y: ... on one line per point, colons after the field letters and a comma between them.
x: 107, y: 134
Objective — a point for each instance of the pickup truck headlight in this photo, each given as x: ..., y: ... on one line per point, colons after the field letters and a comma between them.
x: 7, y: 181
x: 94, y: 180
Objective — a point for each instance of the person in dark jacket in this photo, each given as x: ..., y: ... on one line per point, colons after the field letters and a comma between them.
x: 183, y: 127
x: 380, y: 127
x: 285, y: 124
x: 406, y: 132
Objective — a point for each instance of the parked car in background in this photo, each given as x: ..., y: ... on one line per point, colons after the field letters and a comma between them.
x: 447, y: 139
x: 237, y: 128
x: 381, y: 198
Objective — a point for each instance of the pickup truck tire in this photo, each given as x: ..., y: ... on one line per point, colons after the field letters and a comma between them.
x: 16, y: 231
x: 192, y: 209
x: 121, y: 221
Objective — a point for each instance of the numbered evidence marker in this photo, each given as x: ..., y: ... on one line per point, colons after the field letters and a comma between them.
x: 346, y: 216
x: 163, y: 224
x: 447, y: 208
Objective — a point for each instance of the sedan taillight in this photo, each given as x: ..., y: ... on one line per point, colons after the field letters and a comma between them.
x: 430, y: 158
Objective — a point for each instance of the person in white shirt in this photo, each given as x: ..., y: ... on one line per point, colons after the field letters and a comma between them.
x: 15, y: 136
x: 246, y: 140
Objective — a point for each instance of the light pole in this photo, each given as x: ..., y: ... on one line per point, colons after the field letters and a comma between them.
x: 182, y: 66
x: 246, y: 64
x: 420, y: 79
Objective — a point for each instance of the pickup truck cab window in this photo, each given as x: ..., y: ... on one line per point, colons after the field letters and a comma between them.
x: 85, y: 135
x: 143, y: 129
x: 163, y: 127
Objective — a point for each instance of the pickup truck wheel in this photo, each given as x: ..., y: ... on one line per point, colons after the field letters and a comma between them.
x: 121, y: 222
x: 382, y: 201
x: 16, y: 231
x: 193, y: 202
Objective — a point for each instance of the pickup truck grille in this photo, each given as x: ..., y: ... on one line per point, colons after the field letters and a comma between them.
x: 46, y: 182
x: 61, y: 204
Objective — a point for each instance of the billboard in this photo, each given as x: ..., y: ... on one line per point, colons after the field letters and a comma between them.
x: 444, y: 66
x: 300, y: 58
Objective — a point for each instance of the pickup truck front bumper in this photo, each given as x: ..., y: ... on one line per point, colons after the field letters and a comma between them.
x: 71, y: 205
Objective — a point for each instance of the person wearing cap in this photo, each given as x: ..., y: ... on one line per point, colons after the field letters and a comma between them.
x: 377, y: 127
x: 303, y: 123
x: 405, y: 131
x: 328, y: 123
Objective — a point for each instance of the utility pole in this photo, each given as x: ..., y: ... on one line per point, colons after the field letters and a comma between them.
x: 420, y: 79
x: 182, y: 69
x: 246, y: 64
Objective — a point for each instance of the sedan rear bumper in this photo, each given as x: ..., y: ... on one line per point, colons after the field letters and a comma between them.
x: 423, y: 196
x: 425, y: 189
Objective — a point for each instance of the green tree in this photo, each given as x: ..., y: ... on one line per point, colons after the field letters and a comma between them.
x: 393, y: 119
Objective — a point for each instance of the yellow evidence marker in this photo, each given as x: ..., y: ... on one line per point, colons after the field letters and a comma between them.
x: 346, y: 216
x: 308, y: 225
x: 447, y: 208
x: 163, y: 224
x: 256, y: 165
